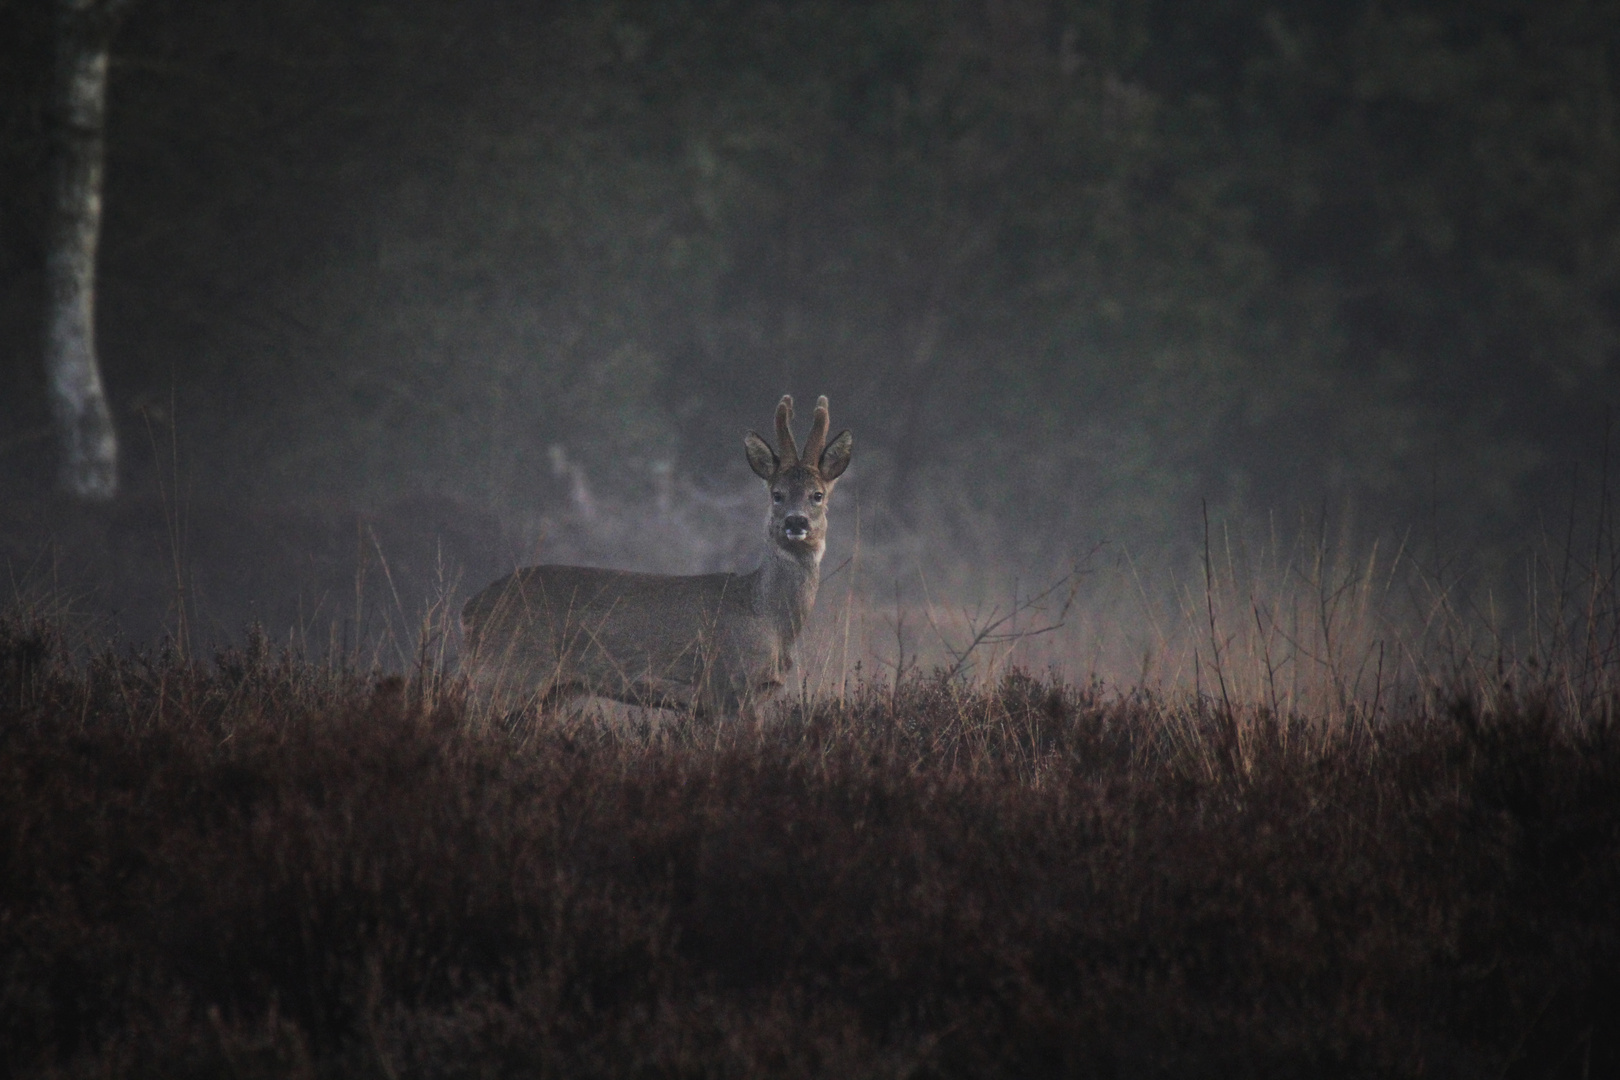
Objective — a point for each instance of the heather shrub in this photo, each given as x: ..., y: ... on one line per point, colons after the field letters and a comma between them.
x: 258, y: 865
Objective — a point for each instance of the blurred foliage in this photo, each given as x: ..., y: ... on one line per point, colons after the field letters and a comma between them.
x: 1081, y: 262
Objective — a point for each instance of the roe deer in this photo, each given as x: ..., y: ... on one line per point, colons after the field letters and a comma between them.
x: 712, y: 643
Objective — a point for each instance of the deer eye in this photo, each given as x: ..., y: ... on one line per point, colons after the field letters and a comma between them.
x: 776, y: 496
x: 816, y: 496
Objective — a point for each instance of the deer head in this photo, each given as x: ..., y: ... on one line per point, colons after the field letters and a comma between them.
x: 800, y: 483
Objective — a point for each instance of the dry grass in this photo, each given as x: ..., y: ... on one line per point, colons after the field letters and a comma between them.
x: 264, y: 866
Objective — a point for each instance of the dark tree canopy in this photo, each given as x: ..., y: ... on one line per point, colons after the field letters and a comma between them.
x: 1084, y: 263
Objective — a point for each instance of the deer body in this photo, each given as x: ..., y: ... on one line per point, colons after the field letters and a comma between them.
x: 711, y: 643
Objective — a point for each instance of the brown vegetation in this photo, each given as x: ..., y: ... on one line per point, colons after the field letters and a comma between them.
x: 264, y: 866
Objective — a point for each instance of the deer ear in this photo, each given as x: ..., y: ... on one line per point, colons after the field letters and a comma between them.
x: 835, y: 459
x: 761, y: 458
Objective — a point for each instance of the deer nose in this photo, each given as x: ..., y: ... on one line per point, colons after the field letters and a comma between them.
x: 796, y: 526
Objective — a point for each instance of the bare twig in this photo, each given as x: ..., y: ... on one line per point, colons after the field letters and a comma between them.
x: 1209, y: 603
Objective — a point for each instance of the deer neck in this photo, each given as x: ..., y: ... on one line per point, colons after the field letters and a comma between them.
x: 785, y: 588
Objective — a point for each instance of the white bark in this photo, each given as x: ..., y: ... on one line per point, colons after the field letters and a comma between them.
x: 88, y: 443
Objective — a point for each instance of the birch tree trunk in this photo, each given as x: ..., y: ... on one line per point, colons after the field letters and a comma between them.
x: 87, y: 441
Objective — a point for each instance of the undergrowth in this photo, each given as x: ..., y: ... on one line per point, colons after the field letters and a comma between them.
x: 260, y: 866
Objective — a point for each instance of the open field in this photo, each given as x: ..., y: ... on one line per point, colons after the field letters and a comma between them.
x: 1212, y: 668
x: 259, y: 865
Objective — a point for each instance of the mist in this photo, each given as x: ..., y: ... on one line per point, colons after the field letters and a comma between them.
x: 1147, y: 320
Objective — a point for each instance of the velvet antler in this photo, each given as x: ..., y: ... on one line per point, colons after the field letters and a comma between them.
x: 788, y: 449
x: 817, y: 442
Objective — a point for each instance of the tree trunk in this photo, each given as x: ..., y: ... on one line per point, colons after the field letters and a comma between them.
x: 88, y: 461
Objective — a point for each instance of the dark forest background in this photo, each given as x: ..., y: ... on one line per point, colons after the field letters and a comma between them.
x: 1067, y: 268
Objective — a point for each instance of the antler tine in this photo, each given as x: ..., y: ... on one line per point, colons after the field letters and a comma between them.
x: 817, y: 442
x: 784, y: 432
